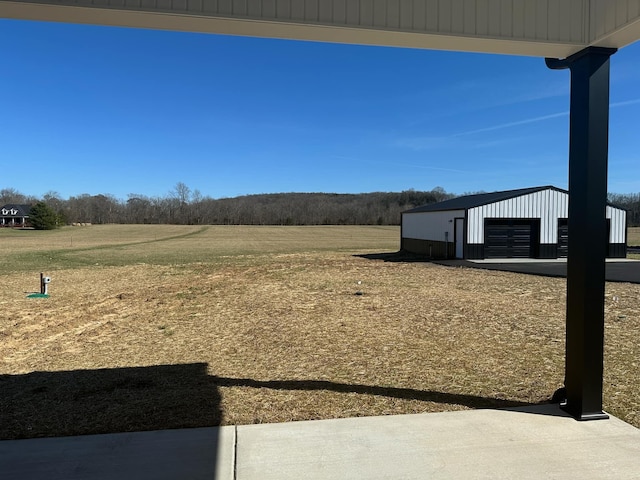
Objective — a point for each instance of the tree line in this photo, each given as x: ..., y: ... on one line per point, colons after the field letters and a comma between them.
x: 631, y: 203
x: 184, y: 206
x: 189, y: 207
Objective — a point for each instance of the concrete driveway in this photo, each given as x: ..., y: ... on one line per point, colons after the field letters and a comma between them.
x: 617, y: 269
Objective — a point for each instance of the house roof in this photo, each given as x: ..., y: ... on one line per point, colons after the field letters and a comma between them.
x: 471, y: 201
x: 15, y: 210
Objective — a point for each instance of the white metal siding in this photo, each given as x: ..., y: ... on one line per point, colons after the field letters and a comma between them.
x: 430, y: 225
x: 618, y: 232
x: 547, y: 205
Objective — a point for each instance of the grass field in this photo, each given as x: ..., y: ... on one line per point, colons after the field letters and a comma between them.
x: 633, y: 236
x: 154, y: 327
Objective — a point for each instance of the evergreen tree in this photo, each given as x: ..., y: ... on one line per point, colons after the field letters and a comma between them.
x: 43, y: 217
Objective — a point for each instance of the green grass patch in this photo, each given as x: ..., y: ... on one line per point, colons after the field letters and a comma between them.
x: 121, y: 245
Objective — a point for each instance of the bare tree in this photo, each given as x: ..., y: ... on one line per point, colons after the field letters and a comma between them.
x: 11, y: 195
x: 179, y: 199
x: 181, y: 192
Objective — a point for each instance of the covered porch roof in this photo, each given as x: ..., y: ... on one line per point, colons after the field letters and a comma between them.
x: 540, y: 28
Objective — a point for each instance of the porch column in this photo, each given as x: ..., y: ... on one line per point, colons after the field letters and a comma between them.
x: 588, y: 150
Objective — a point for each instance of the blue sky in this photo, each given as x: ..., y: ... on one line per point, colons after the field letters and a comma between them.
x: 94, y: 110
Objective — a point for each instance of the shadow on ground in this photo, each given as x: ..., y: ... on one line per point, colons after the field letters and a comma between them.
x: 83, y: 402
x: 391, y: 392
x: 615, y: 271
x: 400, y: 256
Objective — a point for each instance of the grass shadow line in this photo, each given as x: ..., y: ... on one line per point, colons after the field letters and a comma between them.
x: 472, y: 401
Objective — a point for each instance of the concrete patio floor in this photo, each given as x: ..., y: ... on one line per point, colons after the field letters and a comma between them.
x: 526, y: 443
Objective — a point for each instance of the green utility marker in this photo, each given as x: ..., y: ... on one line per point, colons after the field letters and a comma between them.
x: 44, y: 288
x: 38, y: 295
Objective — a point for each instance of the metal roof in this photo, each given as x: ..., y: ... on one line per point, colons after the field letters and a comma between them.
x: 471, y: 201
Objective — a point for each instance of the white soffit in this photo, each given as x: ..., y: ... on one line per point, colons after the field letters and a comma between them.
x: 544, y: 28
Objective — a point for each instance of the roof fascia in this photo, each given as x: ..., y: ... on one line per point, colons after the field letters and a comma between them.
x: 286, y: 29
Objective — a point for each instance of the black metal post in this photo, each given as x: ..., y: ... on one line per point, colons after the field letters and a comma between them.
x: 588, y: 151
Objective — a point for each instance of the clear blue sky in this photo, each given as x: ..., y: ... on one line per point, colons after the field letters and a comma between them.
x: 94, y: 110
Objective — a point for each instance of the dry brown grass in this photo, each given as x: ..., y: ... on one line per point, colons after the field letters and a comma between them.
x: 633, y: 236
x: 272, y: 336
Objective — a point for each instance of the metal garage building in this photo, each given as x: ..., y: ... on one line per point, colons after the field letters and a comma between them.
x: 524, y: 223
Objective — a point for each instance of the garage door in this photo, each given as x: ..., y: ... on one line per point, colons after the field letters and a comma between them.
x: 508, y: 238
x: 563, y: 238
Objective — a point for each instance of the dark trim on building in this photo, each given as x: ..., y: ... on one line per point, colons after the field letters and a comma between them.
x: 548, y: 250
x: 474, y: 251
x: 617, y: 250
x: 429, y: 248
x: 456, y: 234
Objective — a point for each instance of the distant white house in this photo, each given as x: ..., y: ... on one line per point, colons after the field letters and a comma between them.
x: 13, y: 215
x: 525, y: 223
